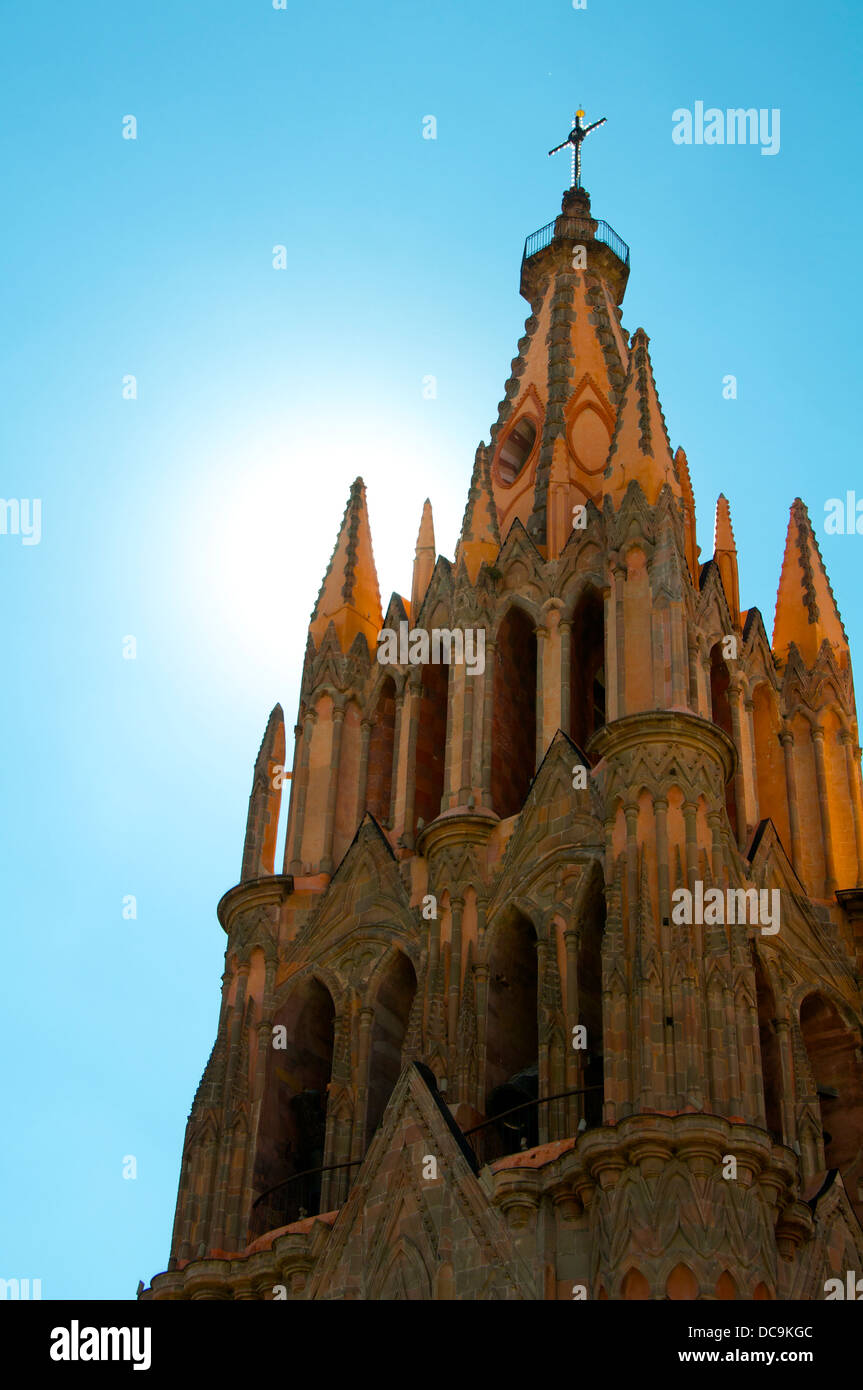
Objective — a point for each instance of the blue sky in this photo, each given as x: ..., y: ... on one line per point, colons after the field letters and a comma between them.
x: 199, y: 518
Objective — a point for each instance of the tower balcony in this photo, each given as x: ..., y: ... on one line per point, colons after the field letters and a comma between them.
x: 607, y: 253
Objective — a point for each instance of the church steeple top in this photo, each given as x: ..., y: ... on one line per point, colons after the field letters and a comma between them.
x: 556, y: 245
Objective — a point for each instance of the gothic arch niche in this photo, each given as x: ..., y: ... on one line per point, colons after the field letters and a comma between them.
x: 681, y: 1284
x: 393, y: 1001
x: 294, y: 1112
x: 771, y: 1063
x: 726, y: 1289
x: 514, y: 450
x: 587, y: 667
x: 589, y: 437
x: 592, y: 927
x: 513, y: 750
x: 720, y: 713
x: 405, y: 1276
x: 834, y: 1056
x: 512, y: 1036
x: 635, y: 1287
x: 430, y: 761
x: 379, y: 780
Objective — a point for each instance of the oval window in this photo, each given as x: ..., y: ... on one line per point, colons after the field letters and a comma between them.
x: 515, y: 450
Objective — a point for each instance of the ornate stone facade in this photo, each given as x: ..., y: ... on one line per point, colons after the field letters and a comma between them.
x: 470, y: 1046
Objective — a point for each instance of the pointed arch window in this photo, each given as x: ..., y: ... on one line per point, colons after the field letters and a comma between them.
x: 512, y: 1039
x: 515, y: 450
x: 294, y: 1112
x: 513, y: 749
x: 379, y: 781
x: 393, y: 1003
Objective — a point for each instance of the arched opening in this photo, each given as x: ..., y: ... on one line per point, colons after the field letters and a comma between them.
x: 513, y: 751
x: 293, y: 1118
x: 587, y: 667
x: 726, y: 1289
x: 720, y: 707
x: 512, y: 1039
x: 635, y: 1286
x: 771, y: 1064
x: 379, y: 781
x: 681, y: 1284
x: 431, y: 744
x: 515, y: 450
x: 590, y: 1000
x: 393, y: 1003
x: 833, y: 1051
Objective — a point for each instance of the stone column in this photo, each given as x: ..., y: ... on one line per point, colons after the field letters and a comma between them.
x: 358, y: 1138
x: 619, y: 643
x: 735, y: 695
x: 301, y: 789
x: 541, y: 636
x: 487, y: 719
x: 457, y: 908
x: 817, y: 736
x: 783, y: 1035
x: 852, y: 773
x: 786, y: 738
x: 362, y: 781
x: 692, y: 658
x: 480, y: 974
x: 574, y: 1105
x: 452, y: 757
x: 394, y: 771
x: 333, y: 788
x: 750, y: 729
x: 414, y: 705
x: 467, y: 737
x: 565, y: 630
x: 660, y: 816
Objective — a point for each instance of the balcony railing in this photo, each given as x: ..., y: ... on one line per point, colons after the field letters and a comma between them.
x: 517, y: 1128
x: 512, y: 1131
x: 576, y: 227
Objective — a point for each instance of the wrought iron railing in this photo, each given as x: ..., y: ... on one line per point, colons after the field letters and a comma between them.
x: 576, y: 227
x: 517, y: 1128
x: 512, y: 1131
x: 294, y: 1198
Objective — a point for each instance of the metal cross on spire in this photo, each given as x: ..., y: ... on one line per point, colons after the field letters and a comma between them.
x: 575, y: 139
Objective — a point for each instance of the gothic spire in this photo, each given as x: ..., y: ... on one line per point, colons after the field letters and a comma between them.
x: 725, y: 555
x: 262, y: 822
x: 681, y: 464
x: 480, y: 533
x: 424, y: 560
x: 350, y: 596
x: 806, y: 611
x: 640, y: 449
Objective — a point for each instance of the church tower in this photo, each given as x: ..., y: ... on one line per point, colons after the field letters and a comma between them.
x: 557, y: 993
